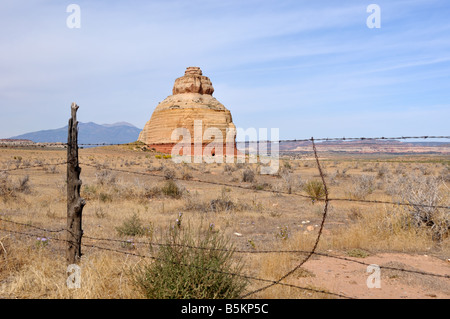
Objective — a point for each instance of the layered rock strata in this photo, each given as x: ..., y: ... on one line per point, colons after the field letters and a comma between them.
x: 190, y: 104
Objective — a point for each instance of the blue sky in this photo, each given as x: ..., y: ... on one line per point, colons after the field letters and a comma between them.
x: 309, y: 68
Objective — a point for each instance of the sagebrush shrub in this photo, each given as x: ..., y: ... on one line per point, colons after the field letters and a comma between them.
x: 248, y: 176
x: 169, y: 173
x: 361, y: 186
x: 9, y: 188
x: 132, y: 226
x: 315, y: 189
x: 192, y: 265
x: 423, y: 193
x: 106, y: 177
x: 171, y: 189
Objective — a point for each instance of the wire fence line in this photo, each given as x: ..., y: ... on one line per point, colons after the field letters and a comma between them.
x: 324, y: 216
x: 248, y: 277
x: 272, y: 191
x: 269, y: 282
x: 238, y: 251
x: 323, y: 139
x: 32, y: 166
x: 239, y: 186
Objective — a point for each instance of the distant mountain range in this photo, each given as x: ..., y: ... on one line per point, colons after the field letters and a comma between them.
x: 88, y: 133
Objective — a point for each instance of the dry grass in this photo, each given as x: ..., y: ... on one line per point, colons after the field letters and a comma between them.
x: 42, y: 274
x: 264, y: 218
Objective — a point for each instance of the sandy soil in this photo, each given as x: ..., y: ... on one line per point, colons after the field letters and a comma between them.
x: 350, y: 279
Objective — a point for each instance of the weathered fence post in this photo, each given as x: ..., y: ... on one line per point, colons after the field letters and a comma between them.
x: 75, y: 203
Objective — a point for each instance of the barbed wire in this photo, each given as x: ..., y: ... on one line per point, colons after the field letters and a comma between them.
x: 6, y: 144
x: 270, y: 191
x: 239, y: 186
x: 253, y: 251
x: 272, y: 282
x: 32, y: 166
x: 292, y: 140
x: 35, y: 227
x: 61, y: 146
x: 365, y: 138
x: 248, y: 277
x: 325, y: 211
x: 309, y: 253
x: 147, y: 243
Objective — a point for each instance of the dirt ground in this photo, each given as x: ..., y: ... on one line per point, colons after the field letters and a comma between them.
x: 350, y: 279
x: 119, y: 182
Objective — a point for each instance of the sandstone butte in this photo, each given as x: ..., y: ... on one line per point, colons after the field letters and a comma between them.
x: 191, y: 100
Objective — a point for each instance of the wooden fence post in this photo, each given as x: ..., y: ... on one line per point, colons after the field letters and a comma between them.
x: 75, y: 203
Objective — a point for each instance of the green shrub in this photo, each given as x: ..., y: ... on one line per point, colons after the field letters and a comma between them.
x: 171, y: 189
x: 359, y: 253
x: 104, y: 197
x: 132, y: 226
x: 315, y: 189
x: 89, y: 191
x: 192, y: 266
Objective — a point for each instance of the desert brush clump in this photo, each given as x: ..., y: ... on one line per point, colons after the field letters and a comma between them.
x: 192, y: 265
x: 133, y: 226
x: 169, y: 174
x: 107, y: 188
x: 315, y: 189
x: 106, y: 177
x: 361, y: 186
x: 423, y: 193
x: 221, y: 203
x: 171, y: 189
x: 10, y: 188
x: 248, y: 175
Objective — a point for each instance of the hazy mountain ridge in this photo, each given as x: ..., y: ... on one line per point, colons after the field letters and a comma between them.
x: 88, y: 133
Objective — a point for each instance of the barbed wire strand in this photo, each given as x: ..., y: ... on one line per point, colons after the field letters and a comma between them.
x: 292, y: 140
x: 32, y: 226
x: 6, y: 144
x: 123, y: 241
x: 324, y: 216
x: 272, y: 191
x: 309, y: 254
x: 241, y: 186
x: 248, y: 277
x: 32, y: 166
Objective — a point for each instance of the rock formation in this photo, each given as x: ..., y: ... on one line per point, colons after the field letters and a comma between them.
x: 191, y: 102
